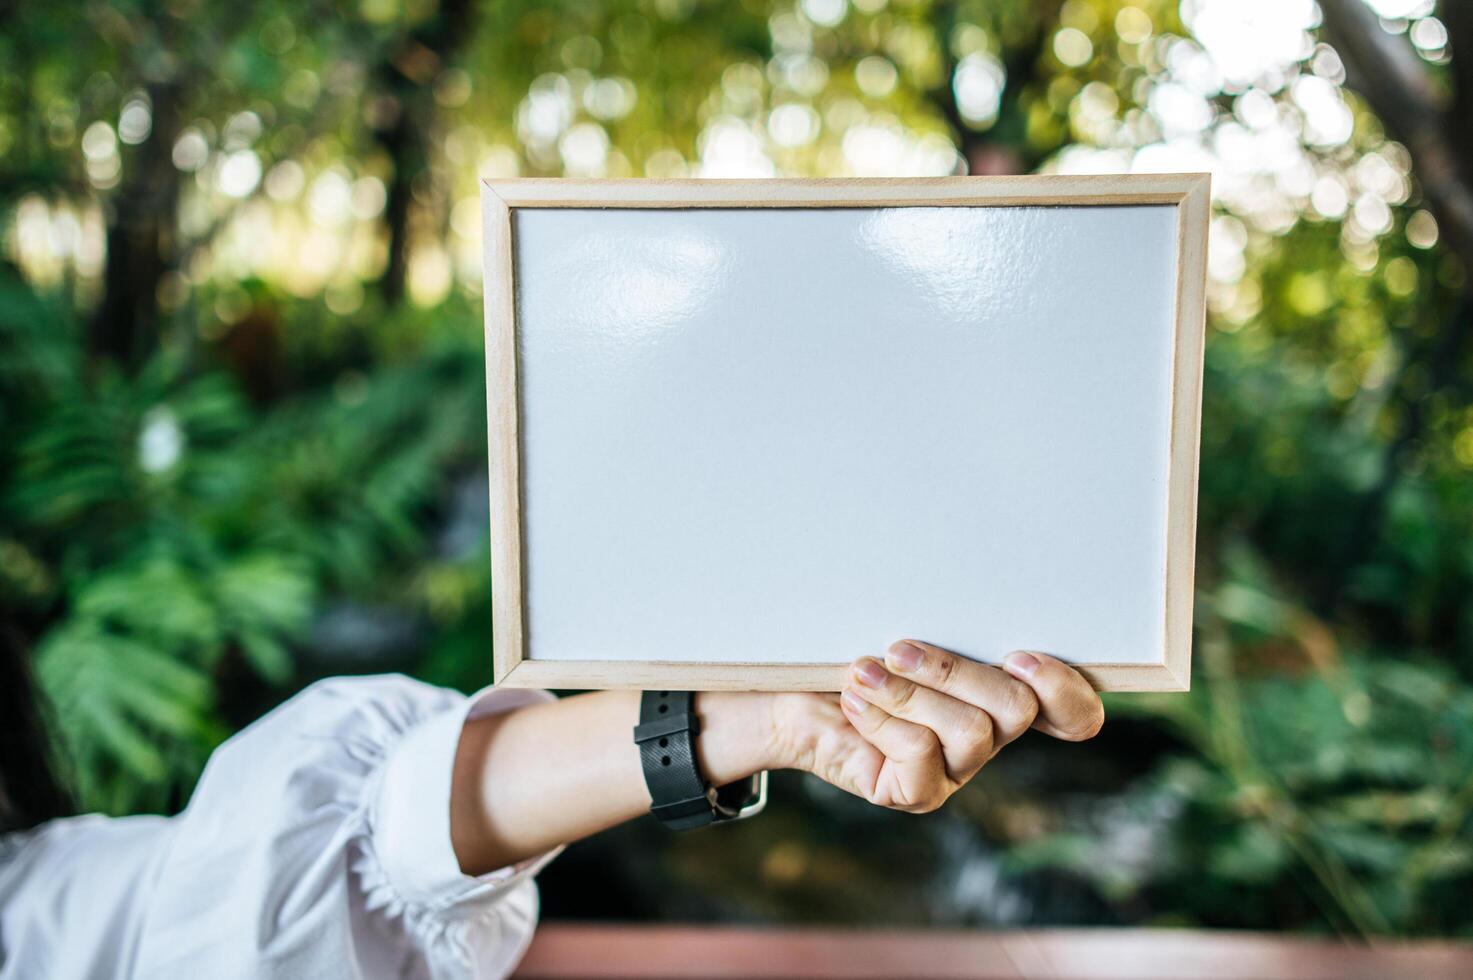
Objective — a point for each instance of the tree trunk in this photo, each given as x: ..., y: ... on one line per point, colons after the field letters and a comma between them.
x: 1392, y: 78
x: 1003, y: 148
x: 1394, y: 81
x: 401, y: 123
x: 141, y: 228
x: 403, y: 140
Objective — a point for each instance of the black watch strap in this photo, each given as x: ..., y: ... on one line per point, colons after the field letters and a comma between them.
x: 679, y: 794
x: 666, y: 736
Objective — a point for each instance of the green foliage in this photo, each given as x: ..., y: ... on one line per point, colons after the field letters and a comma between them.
x: 160, y: 525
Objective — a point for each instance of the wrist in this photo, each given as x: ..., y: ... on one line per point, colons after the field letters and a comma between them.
x: 737, y: 737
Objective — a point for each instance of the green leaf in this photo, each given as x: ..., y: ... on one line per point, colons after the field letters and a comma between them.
x: 270, y: 658
x: 1254, y: 854
x: 122, y: 703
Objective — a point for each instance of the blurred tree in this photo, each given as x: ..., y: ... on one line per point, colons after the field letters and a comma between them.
x: 1427, y: 112
x: 994, y: 140
x: 1430, y: 115
x: 400, y: 114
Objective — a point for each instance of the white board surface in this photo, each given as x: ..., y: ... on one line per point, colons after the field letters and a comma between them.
x: 795, y: 435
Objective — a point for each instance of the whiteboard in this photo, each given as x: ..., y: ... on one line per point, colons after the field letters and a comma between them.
x: 767, y: 437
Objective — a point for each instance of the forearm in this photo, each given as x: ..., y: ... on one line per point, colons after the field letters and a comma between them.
x: 528, y: 780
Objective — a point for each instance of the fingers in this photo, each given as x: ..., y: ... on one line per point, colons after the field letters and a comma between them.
x: 1008, y: 702
x: 1068, y: 706
x: 964, y: 731
x: 912, y: 775
x: 927, y: 723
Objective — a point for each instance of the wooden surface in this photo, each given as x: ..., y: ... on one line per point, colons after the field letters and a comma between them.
x: 566, y: 951
x: 504, y: 447
x: 514, y: 658
x: 557, y: 192
x: 1194, y: 214
x: 670, y: 675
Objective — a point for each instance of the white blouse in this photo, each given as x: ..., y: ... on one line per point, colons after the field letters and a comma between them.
x: 317, y: 844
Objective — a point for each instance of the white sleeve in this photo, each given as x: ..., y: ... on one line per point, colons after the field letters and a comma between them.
x: 73, y: 895
x: 317, y: 844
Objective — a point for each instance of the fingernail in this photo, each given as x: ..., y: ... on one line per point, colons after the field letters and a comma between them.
x: 1020, y: 664
x: 854, y: 702
x: 870, y: 673
x: 905, y: 656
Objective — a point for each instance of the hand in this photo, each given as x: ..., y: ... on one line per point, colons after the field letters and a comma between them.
x: 909, y: 732
x: 905, y: 734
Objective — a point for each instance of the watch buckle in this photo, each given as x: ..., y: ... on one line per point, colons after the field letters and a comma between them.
x: 751, y: 804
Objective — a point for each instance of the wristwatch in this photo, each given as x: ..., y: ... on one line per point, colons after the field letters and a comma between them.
x: 680, y: 796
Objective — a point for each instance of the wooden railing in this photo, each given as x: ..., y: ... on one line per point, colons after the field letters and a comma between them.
x: 595, y: 952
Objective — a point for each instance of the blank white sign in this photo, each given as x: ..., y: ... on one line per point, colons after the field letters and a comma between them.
x: 789, y: 435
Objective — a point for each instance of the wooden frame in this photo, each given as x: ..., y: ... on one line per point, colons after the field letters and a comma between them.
x: 1189, y: 193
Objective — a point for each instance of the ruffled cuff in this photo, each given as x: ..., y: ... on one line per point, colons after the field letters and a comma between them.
x: 411, y: 814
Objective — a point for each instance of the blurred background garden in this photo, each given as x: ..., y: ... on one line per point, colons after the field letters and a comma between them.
x: 242, y: 434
